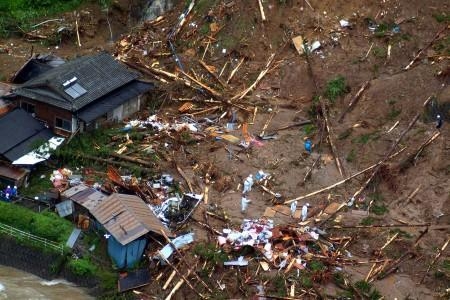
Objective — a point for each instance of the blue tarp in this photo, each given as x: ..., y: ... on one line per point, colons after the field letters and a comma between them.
x: 128, y: 255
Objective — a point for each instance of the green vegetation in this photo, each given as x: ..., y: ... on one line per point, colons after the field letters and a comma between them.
x: 367, y: 221
x: 351, y: 156
x: 367, y: 289
x: 18, y: 15
x: 316, y: 265
x: 365, y: 138
x: 379, y: 209
x: 336, y: 88
x: 345, y: 134
x: 379, y: 52
x: 401, y: 233
x: 279, y: 284
x: 309, y: 129
x: 209, y: 252
x: 442, y: 17
x: 82, y: 267
x: 46, y: 225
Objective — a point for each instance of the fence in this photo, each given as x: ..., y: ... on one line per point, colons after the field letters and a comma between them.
x: 22, y: 235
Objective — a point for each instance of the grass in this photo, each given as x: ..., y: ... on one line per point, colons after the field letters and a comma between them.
x: 393, y: 113
x: 401, y: 233
x: 379, y: 209
x: 442, y: 17
x: 367, y: 289
x: 351, y: 156
x: 309, y: 129
x: 345, y: 134
x: 21, y: 14
x: 379, y: 52
x: 335, y: 88
x: 365, y: 138
x: 367, y: 221
x: 208, y: 252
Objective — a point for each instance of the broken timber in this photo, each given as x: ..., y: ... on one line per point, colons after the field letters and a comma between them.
x: 436, y: 257
x: 391, y: 150
x: 354, y: 99
x: 342, y: 181
x: 260, y: 76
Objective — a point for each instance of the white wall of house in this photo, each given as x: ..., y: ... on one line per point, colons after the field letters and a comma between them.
x: 126, y: 109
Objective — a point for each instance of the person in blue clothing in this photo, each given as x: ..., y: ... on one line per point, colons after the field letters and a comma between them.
x: 308, y: 145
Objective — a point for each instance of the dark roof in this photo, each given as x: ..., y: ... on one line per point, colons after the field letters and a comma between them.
x: 19, y: 132
x: 36, y: 66
x: 99, y: 75
x: 112, y: 100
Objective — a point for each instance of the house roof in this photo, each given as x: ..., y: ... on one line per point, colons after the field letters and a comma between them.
x: 97, y: 75
x: 19, y: 132
x: 85, y: 196
x: 35, y: 66
x: 114, y: 99
x: 127, y: 218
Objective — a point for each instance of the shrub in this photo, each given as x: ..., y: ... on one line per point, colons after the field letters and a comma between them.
x: 82, y: 267
x: 336, y: 88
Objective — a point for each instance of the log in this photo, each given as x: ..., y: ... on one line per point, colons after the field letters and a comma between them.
x: 261, y: 10
x: 133, y: 159
x: 325, y: 117
x: 111, y: 162
x: 177, y: 287
x: 435, y: 259
x: 415, y: 155
x: 182, y: 19
x: 424, y: 48
x: 214, y: 75
x: 234, y: 70
x: 181, y: 275
x: 184, y: 177
x: 354, y: 99
x: 254, y: 84
x: 330, y: 138
x: 169, y: 280
x: 342, y: 181
x: 380, y: 226
x: 207, y: 88
x: 76, y: 28
x: 429, y: 141
x: 267, y: 123
x: 391, y: 150
x: 301, y: 123
x: 184, y: 260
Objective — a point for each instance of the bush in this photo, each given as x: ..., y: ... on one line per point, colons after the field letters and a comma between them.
x: 82, y: 267
x: 336, y: 88
x: 46, y: 225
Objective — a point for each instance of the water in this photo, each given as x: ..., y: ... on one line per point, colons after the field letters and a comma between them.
x: 16, y: 284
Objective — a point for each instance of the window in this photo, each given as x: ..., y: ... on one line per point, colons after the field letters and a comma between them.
x: 75, y: 91
x: 63, y: 124
x: 29, y: 108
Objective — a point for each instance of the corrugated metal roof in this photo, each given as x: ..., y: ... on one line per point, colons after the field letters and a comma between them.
x: 85, y: 196
x: 127, y: 218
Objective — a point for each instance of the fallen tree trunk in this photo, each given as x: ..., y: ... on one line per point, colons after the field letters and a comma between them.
x: 436, y: 257
x: 354, y: 99
x: 342, y: 181
x: 132, y: 159
x: 115, y: 163
x: 391, y: 150
x: 254, y: 84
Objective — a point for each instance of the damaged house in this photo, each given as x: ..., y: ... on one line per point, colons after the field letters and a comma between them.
x: 128, y: 219
x: 79, y: 94
x: 25, y: 142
